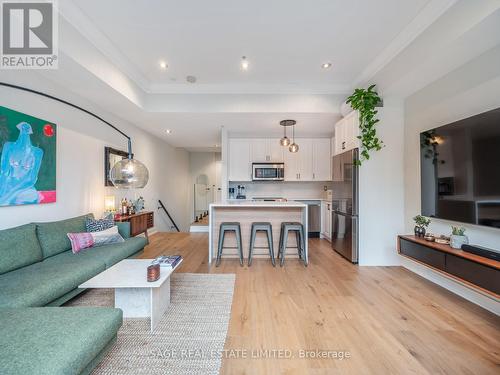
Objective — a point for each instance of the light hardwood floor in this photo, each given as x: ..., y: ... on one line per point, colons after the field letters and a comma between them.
x: 390, y: 320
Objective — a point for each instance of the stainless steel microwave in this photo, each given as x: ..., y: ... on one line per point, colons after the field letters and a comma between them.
x: 268, y: 171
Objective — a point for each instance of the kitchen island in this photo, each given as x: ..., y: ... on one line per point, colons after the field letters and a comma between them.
x: 246, y: 212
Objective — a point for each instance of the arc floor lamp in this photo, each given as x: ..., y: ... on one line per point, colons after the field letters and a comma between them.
x: 128, y: 173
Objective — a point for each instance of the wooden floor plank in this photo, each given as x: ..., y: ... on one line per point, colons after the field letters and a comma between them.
x: 389, y: 319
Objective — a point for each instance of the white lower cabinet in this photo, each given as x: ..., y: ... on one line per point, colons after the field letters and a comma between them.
x: 326, y: 220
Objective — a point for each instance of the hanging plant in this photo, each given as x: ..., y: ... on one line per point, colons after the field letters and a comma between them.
x: 365, y: 101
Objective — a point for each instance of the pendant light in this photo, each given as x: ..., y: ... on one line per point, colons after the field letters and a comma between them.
x: 294, y: 147
x: 285, y: 141
x: 129, y: 173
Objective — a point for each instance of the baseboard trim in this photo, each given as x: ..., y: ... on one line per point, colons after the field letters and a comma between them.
x: 483, y: 300
x: 198, y: 229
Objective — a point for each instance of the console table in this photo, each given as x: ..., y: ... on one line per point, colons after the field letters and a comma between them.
x: 139, y: 222
x: 473, y: 270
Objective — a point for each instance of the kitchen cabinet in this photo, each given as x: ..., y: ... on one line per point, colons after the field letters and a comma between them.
x: 326, y: 220
x: 266, y: 150
x: 346, y: 133
x: 298, y: 165
x: 322, y: 160
x: 311, y: 163
x: 239, y: 160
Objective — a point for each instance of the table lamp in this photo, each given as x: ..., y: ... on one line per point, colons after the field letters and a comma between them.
x: 109, y: 203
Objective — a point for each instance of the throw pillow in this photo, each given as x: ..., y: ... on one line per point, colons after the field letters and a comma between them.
x: 107, y: 236
x: 98, y: 225
x: 80, y: 241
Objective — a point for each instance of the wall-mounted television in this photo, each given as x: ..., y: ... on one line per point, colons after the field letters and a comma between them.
x: 460, y: 170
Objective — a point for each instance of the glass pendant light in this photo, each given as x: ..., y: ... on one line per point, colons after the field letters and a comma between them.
x: 294, y: 147
x: 285, y: 141
x: 129, y: 173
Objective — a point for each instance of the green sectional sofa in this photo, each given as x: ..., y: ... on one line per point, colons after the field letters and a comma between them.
x: 37, y: 272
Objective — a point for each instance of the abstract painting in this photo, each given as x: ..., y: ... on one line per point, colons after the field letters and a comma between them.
x: 27, y: 159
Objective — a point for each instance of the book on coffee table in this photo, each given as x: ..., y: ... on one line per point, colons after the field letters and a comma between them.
x: 169, y: 261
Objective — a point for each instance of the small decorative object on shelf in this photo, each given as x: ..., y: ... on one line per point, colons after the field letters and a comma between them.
x: 138, y: 204
x: 421, y: 222
x: 429, y: 237
x: 153, y: 272
x: 458, y: 237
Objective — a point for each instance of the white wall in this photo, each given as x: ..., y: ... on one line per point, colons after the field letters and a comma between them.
x: 469, y: 90
x: 80, y: 161
x: 381, y: 191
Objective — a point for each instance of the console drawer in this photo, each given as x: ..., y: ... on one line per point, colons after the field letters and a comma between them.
x: 475, y: 273
x: 428, y: 256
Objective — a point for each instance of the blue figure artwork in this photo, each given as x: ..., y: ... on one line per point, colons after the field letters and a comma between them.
x: 19, y: 166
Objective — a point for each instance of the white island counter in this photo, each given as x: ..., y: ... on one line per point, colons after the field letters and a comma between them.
x: 246, y: 212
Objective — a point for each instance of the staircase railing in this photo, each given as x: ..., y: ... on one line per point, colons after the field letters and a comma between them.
x: 162, y: 206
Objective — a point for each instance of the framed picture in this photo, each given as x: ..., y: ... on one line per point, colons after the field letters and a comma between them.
x: 27, y: 159
x: 111, y: 157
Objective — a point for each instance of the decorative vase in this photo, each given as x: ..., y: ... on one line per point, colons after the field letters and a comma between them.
x: 419, y: 231
x: 456, y: 241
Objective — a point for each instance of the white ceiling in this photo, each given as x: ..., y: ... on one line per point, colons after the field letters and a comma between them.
x: 285, y: 40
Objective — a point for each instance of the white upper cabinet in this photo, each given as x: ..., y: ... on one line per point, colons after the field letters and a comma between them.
x: 311, y: 163
x: 322, y: 160
x: 346, y: 133
x: 240, y: 163
x: 266, y: 150
x: 276, y: 150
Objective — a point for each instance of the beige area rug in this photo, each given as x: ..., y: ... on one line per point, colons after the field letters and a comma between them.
x: 188, y: 340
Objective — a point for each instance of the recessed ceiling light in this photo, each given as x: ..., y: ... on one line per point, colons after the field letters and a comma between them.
x: 191, y: 79
x: 326, y: 65
x: 169, y: 131
x: 244, y: 63
x: 163, y: 65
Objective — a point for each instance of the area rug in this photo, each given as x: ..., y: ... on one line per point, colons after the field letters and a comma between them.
x: 188, y: 340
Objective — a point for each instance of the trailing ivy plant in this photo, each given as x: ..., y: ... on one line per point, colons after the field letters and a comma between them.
x: 365, y: 102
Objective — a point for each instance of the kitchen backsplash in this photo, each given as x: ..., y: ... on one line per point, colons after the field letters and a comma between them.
x: 289, y: 190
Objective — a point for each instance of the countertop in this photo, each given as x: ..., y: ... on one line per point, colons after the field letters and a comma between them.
x: 249, y: 203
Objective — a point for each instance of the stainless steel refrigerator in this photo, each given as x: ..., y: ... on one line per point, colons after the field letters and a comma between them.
x: 345, y: 205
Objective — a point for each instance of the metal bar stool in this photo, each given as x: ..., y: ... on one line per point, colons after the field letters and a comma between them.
x: 298, y: 228
x: 264, y: 227
x: 229, y: 227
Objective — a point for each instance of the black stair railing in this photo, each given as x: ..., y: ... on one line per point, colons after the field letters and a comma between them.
x: 162, y: 206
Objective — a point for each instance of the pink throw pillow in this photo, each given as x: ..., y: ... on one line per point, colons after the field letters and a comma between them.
x: 80, y: 241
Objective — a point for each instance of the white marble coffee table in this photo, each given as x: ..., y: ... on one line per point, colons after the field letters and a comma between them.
x: 137, y: 297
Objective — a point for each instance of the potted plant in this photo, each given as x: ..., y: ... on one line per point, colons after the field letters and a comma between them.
x: 421, y: 222
x: 458, y: 237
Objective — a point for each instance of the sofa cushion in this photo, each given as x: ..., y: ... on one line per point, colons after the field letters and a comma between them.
x: 19, y: 247
x: 53, y: 238
x: 43, y: 282
x: 113, y: 253
x: 54, y: 340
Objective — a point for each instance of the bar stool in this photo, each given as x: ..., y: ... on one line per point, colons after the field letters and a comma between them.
x: 263, y: 227
x: 229, y: 227
x: 298, y: 228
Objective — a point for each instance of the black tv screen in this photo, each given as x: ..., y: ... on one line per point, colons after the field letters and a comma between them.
x: 460, y: 170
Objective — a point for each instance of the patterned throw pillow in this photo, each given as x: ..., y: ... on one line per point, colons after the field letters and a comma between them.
x: 93, y: 225
x: 80, y: 241
x: 107, y: 236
